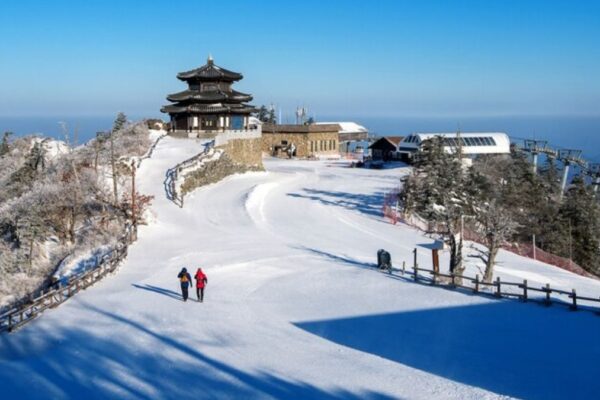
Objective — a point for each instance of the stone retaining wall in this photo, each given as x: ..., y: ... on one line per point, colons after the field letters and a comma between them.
x: 239, y: 156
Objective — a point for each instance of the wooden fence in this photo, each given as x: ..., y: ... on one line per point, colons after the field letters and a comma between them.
x: 61, y: 292
x: 523, y: 291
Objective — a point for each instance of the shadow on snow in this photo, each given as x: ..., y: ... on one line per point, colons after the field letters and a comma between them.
x: 165, y: 292
x: 529, y: 352
x: 369, y: 204
x: 78, y: 363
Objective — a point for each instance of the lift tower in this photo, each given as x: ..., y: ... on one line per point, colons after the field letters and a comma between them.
x: 536, y: 147
x: 569, y: 157
x: 593, y: 171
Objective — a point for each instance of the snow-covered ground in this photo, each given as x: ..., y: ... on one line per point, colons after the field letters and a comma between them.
x: 293, y: 307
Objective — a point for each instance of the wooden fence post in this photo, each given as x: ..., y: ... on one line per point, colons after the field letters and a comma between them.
x: 453, y: 278
x: 548, y: 302
x: 574, y: 296
x: 416, y: 270
x: 415, y: 258
x: 476, y: 290
x: 525, y: 290
x: 403, y: 267
x: 9, y: 322
x: 498, y: 287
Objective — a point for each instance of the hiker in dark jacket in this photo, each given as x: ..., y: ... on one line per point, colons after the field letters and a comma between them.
x: 201, y: 282
x: 186, y: 280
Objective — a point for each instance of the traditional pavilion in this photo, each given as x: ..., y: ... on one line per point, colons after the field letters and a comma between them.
x: 209, y: 104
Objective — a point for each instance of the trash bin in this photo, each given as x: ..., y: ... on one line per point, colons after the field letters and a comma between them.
x: 384, y: 259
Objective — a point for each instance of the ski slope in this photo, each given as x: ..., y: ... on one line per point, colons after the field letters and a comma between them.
x: 293, y: 307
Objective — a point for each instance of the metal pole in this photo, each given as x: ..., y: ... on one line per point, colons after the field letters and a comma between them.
x: 563, y: 184
x: 535, y: 161
x: 133, y: 217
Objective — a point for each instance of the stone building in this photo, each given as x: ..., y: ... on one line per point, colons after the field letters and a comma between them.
x: 316, y: 140
x: 210, y: 104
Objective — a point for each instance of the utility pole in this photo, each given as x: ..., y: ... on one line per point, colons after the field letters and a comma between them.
x: 133, y: 216
x: 114, y: 170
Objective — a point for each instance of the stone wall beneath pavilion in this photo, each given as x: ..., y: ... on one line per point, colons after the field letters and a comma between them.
x: 239, y: 156
x: 245, y: 152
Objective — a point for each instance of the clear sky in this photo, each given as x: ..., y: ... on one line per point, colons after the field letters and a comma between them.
x: 368, y: 58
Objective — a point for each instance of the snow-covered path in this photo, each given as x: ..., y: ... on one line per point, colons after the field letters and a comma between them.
x: 293, y: 309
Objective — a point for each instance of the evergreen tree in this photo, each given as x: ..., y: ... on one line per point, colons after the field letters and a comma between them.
x: 271, y: 118
x: 120, y: 122
x: 438, y: 192
x: 4, y: 147
x: 263, y: 114
x: 580, y: 213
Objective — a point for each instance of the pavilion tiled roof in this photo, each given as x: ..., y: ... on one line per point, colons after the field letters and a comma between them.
x: 210, y: 96
x: 208, y: 108
x: 210, y: 72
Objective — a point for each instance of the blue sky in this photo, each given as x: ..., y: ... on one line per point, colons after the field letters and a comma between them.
x: 368, y: 58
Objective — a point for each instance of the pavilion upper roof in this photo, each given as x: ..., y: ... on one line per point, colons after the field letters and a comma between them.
x: 210, y: 72
x: 216, y: 108
x: 212, y: 96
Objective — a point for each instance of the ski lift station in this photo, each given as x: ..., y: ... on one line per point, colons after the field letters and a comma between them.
x: 473, y: 143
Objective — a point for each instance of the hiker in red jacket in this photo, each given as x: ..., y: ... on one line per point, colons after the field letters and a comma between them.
x: 186, y: 280
x: 201, y: 282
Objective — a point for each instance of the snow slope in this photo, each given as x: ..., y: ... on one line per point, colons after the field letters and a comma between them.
x: 293, y: 308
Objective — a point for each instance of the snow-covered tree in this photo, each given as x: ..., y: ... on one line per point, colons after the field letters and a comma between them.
x: 438, y: 191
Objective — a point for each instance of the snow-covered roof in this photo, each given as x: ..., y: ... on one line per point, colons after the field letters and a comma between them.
x: 471, y: 142
x: 347, y: 127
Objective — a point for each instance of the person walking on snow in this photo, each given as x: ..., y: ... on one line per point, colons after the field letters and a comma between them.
x: 201, y: 282
x: 186, y: 280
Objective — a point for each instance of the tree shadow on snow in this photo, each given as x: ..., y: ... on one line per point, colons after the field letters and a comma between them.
x: 145, y: 364
x: 529, y: 352
x: 369, y: 204
x: 165, y: 292
x: 338, y: 258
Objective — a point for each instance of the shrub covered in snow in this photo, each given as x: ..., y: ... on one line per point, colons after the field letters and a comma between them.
x: 57, y: 202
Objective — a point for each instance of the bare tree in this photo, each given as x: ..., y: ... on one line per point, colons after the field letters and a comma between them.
x: 496, y: 226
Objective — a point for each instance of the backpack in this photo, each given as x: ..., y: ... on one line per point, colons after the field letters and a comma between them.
x: 184, y: 278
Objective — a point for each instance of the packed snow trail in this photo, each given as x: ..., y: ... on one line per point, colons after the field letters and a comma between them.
x: 293, y: 308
